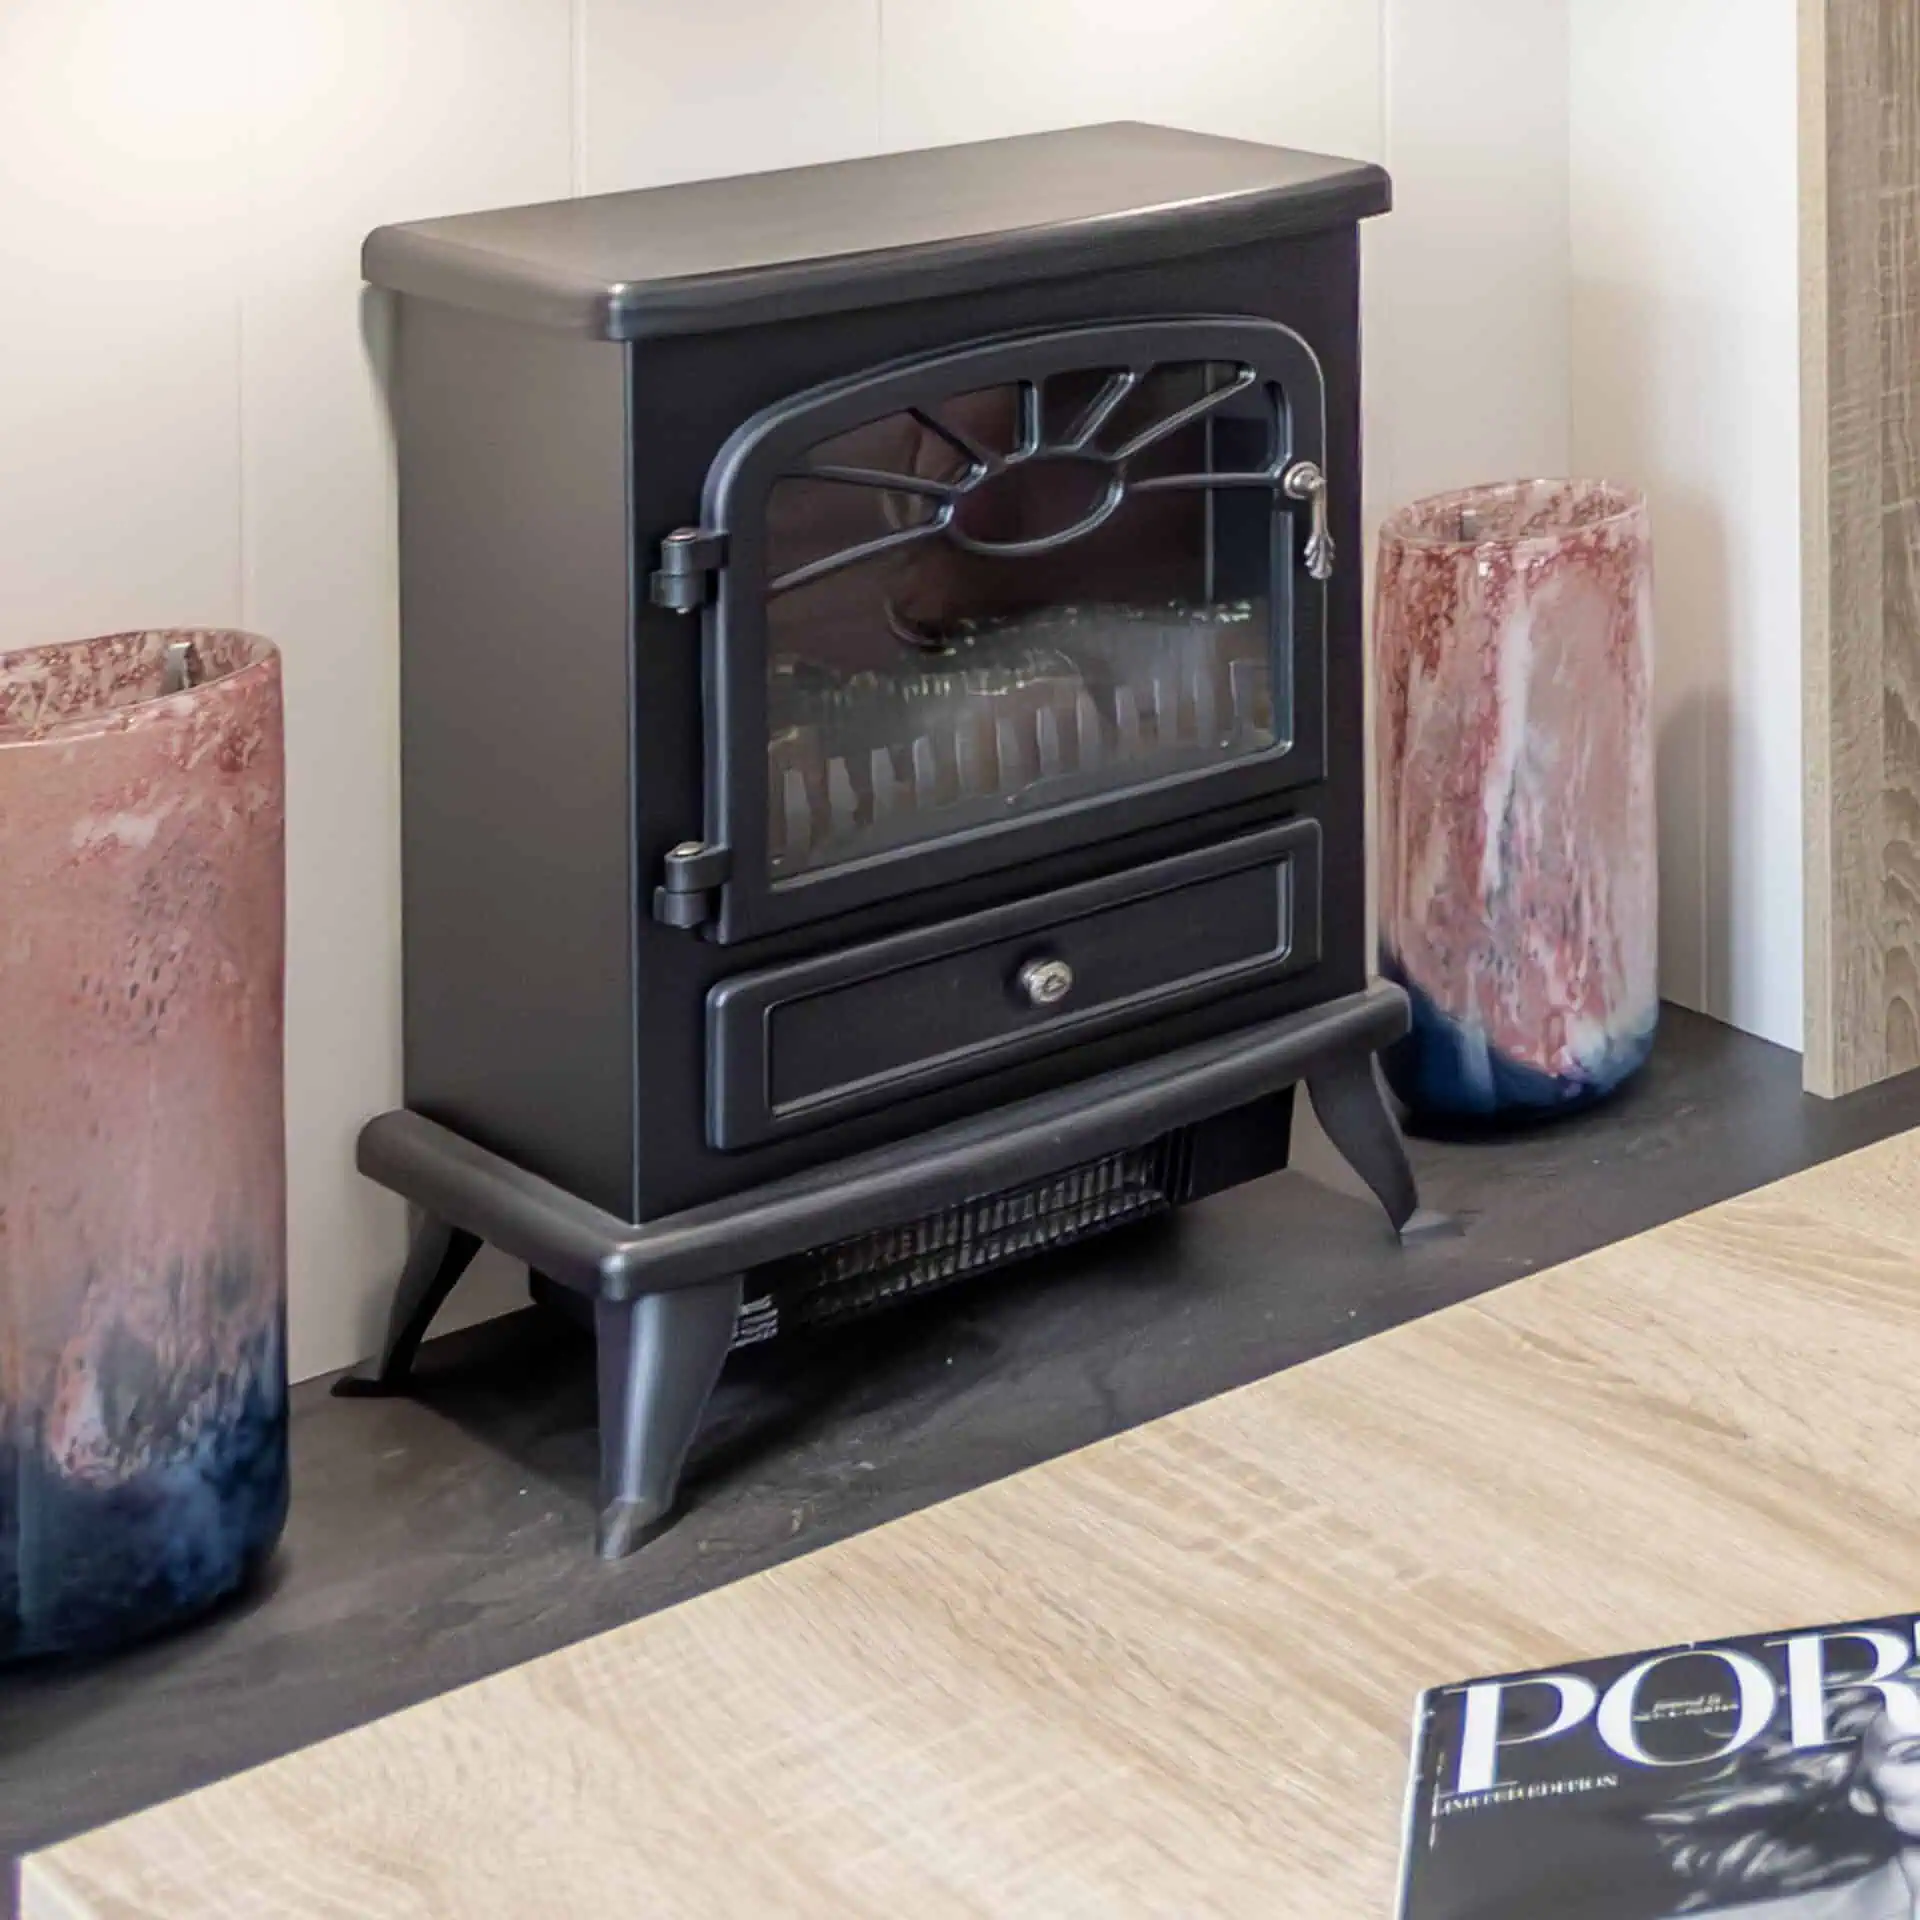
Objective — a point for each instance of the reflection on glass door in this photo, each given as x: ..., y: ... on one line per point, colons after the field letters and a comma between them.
x: 1018, y: 598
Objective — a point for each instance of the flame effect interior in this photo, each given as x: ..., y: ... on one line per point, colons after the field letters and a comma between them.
x: 1016, y: 599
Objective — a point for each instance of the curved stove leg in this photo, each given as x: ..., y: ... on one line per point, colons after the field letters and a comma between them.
x: 438, y: 1255
x: 659, y: 1357
x: 1354, y: 1112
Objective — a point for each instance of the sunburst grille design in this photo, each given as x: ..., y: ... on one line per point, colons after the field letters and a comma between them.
x: 1102, y: 436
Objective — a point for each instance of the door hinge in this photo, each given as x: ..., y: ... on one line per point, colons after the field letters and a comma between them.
x: 689, y: 892
x: 689, y: 558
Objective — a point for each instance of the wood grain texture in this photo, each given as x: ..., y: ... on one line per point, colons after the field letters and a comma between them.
x: 1899, y: 342
x: 1860, y: 259
x: 1172, y: 1673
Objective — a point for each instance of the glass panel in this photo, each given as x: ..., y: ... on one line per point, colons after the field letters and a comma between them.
x: 1017, y: 598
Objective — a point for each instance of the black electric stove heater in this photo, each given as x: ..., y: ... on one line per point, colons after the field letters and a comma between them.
x: 881, y: 733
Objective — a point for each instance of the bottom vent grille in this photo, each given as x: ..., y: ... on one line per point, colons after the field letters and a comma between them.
x: 872, y: 1270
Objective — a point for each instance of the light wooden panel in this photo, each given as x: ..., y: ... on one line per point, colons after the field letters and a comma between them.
x: 1173, y: 1673
x: 1860, y: 258
x: 1899, y: 339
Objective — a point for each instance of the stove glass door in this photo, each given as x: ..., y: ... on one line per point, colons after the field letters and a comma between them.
x: 984, y: 600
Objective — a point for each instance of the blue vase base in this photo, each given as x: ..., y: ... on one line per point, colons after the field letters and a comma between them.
x: 1447, y: 1072
x: 86, y: 1568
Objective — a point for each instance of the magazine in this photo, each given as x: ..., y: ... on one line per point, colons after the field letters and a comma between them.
x: 1775, y: 1777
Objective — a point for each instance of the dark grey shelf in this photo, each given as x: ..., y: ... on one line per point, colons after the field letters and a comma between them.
x: 437, y: 1539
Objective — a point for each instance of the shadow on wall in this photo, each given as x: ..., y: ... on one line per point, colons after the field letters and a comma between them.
x: 1694, y: 721
x: 376, y: 338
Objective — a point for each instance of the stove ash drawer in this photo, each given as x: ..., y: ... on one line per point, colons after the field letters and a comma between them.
x: 814, y: 1041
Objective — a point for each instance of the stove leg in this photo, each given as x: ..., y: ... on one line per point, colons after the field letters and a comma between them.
x: 659, y: 1357
x: 1354, y: 1112
x: 438, y: 1256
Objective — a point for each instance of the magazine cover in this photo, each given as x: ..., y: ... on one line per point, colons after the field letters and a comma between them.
x: 1770, y: 1778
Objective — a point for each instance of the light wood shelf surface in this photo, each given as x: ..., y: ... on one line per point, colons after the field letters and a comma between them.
x: 1173, y: 1673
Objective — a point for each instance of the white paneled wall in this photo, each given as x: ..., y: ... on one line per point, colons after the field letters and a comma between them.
x: 120, y: 242
x: 1303, y: 73
x: 363, y: 111
x: 694, y: 89
x: 191, y: 424
x: 1686, y: 379
x: 1468, y: 363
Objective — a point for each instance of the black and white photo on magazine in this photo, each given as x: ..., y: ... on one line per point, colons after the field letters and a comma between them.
x: 1774, y: 1777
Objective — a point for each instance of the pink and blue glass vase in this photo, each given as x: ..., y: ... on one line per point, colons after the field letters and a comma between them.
x: 143, y: 1440
x: 1516, y: 860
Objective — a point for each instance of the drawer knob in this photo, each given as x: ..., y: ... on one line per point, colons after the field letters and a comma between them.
x: 1045, y: 983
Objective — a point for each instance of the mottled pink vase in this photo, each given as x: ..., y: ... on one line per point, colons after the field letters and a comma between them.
x: 143, y: 1462
x: 1517, y: 870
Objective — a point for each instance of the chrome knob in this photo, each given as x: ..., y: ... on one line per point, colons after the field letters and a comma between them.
x: 1044, y: 983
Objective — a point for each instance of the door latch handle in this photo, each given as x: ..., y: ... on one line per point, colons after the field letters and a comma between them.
x: 1304, y: 481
